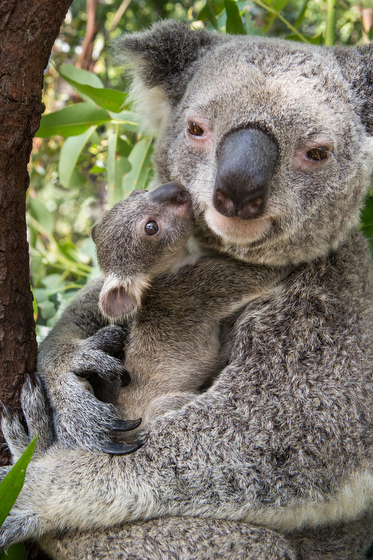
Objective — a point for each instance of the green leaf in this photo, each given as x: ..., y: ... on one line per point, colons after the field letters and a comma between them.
x: 47, y: 309
x: 140, y: 161
x: 77, y: 180
x: 14, y: 552
x: 110, y: 164
x: 79, y: 75
x: 210, y: 15
x: 110, y: 99
x: 34, y: 304
x: 370, y: 34
x: 250, y: 29
x: 51, y: 280
x: 41, y: 213
x: 122, y: 167
x: 127, y: 120
x: 73, y: 120
x: 302, y: 13
x: 123, y: 147
x: 117, y: 167
x: 69, y: 156
x: 277, y: 5
x: 12, y: 484
x: 40, y: 295
x: 234, y: 21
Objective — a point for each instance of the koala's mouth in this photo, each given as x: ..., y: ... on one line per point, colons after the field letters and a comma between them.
x: 234, y: 230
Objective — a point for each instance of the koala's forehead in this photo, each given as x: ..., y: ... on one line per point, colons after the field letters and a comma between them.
x: 122, y: 220
x: 277, y: 82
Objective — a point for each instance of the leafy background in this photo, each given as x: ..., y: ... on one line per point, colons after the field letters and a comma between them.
x: 89, y: 151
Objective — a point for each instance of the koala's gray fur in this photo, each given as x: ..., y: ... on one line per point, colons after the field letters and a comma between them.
x: 283, y: 438
x: 174, y: 344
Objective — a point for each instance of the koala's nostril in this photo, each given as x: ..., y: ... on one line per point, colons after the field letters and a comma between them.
x: 252, y: 209
x: 224, y: 204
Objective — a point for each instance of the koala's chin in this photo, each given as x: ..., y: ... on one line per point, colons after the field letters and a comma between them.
x: 234, y: 230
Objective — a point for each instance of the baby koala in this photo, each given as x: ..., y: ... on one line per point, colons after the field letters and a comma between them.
x: 175, y: 305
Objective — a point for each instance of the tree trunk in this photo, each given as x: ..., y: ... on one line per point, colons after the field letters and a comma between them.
x: 28, y: 29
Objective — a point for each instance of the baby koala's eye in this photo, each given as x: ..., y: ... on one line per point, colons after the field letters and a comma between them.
x: 317, y: 154
x: 151, y: 228
x: 194, y: 129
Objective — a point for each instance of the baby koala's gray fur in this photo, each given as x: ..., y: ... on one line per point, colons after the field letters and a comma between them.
x: 283, y: 438
x: 174, y: 342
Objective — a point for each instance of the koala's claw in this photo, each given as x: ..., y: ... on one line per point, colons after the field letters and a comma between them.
x: 6, y: 413
x: 118, y: 448
x: 125, y: 425
x: 34, y: 380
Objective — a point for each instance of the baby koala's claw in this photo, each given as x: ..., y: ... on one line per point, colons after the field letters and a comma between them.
x: 118, y: 448
x: 125, y: 425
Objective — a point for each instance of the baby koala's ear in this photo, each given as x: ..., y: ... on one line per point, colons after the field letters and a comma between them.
x: 120, y: 296
x: 116, y: 302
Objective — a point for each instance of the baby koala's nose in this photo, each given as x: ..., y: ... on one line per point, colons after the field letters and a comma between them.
x: 171, y: 193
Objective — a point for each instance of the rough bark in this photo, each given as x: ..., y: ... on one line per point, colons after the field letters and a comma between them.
x: 28, y: 29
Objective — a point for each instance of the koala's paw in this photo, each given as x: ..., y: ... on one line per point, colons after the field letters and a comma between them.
x: 37, y: 415
x: 82, y: 420
x: 17, y: 528
x: 102, y: 355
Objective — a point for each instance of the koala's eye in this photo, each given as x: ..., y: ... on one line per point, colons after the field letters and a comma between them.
x: 317, y: 154
x: 194, y: 129
x: 151, y: 228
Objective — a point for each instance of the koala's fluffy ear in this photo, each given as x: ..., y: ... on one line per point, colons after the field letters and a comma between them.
x: 116, y: 302
x: 120, y: 296
x: 161, y: 61
x: 357, y: 67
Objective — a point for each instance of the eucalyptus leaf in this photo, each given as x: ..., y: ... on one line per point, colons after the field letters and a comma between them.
x: 234, y: 24
x: 83, y: 77
x: 250, y: 29
x: 73, y: 120
x: 211, y: 15
x: 110, y: 99
x: 12, y: 484
x: 41, y: 213
x: 14, y: 552
x: 70, y: 153
x: 278, y: 5
x: 127, y: 120
x: 110, y: 163
x: 139, y: 158
x: 47, y: 309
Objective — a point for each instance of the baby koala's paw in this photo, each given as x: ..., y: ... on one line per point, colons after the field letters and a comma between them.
x: 102, y: 355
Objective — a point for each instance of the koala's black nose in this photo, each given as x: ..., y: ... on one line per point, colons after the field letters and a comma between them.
x: 246, y: 161
x: 171, y: 193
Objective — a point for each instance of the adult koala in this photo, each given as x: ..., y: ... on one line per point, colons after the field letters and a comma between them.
x: 274, y: 142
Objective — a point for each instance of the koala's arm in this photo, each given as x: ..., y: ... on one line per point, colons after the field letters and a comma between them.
x: 220, y: 286
x: 283, y: 438
x: 81, y: 349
